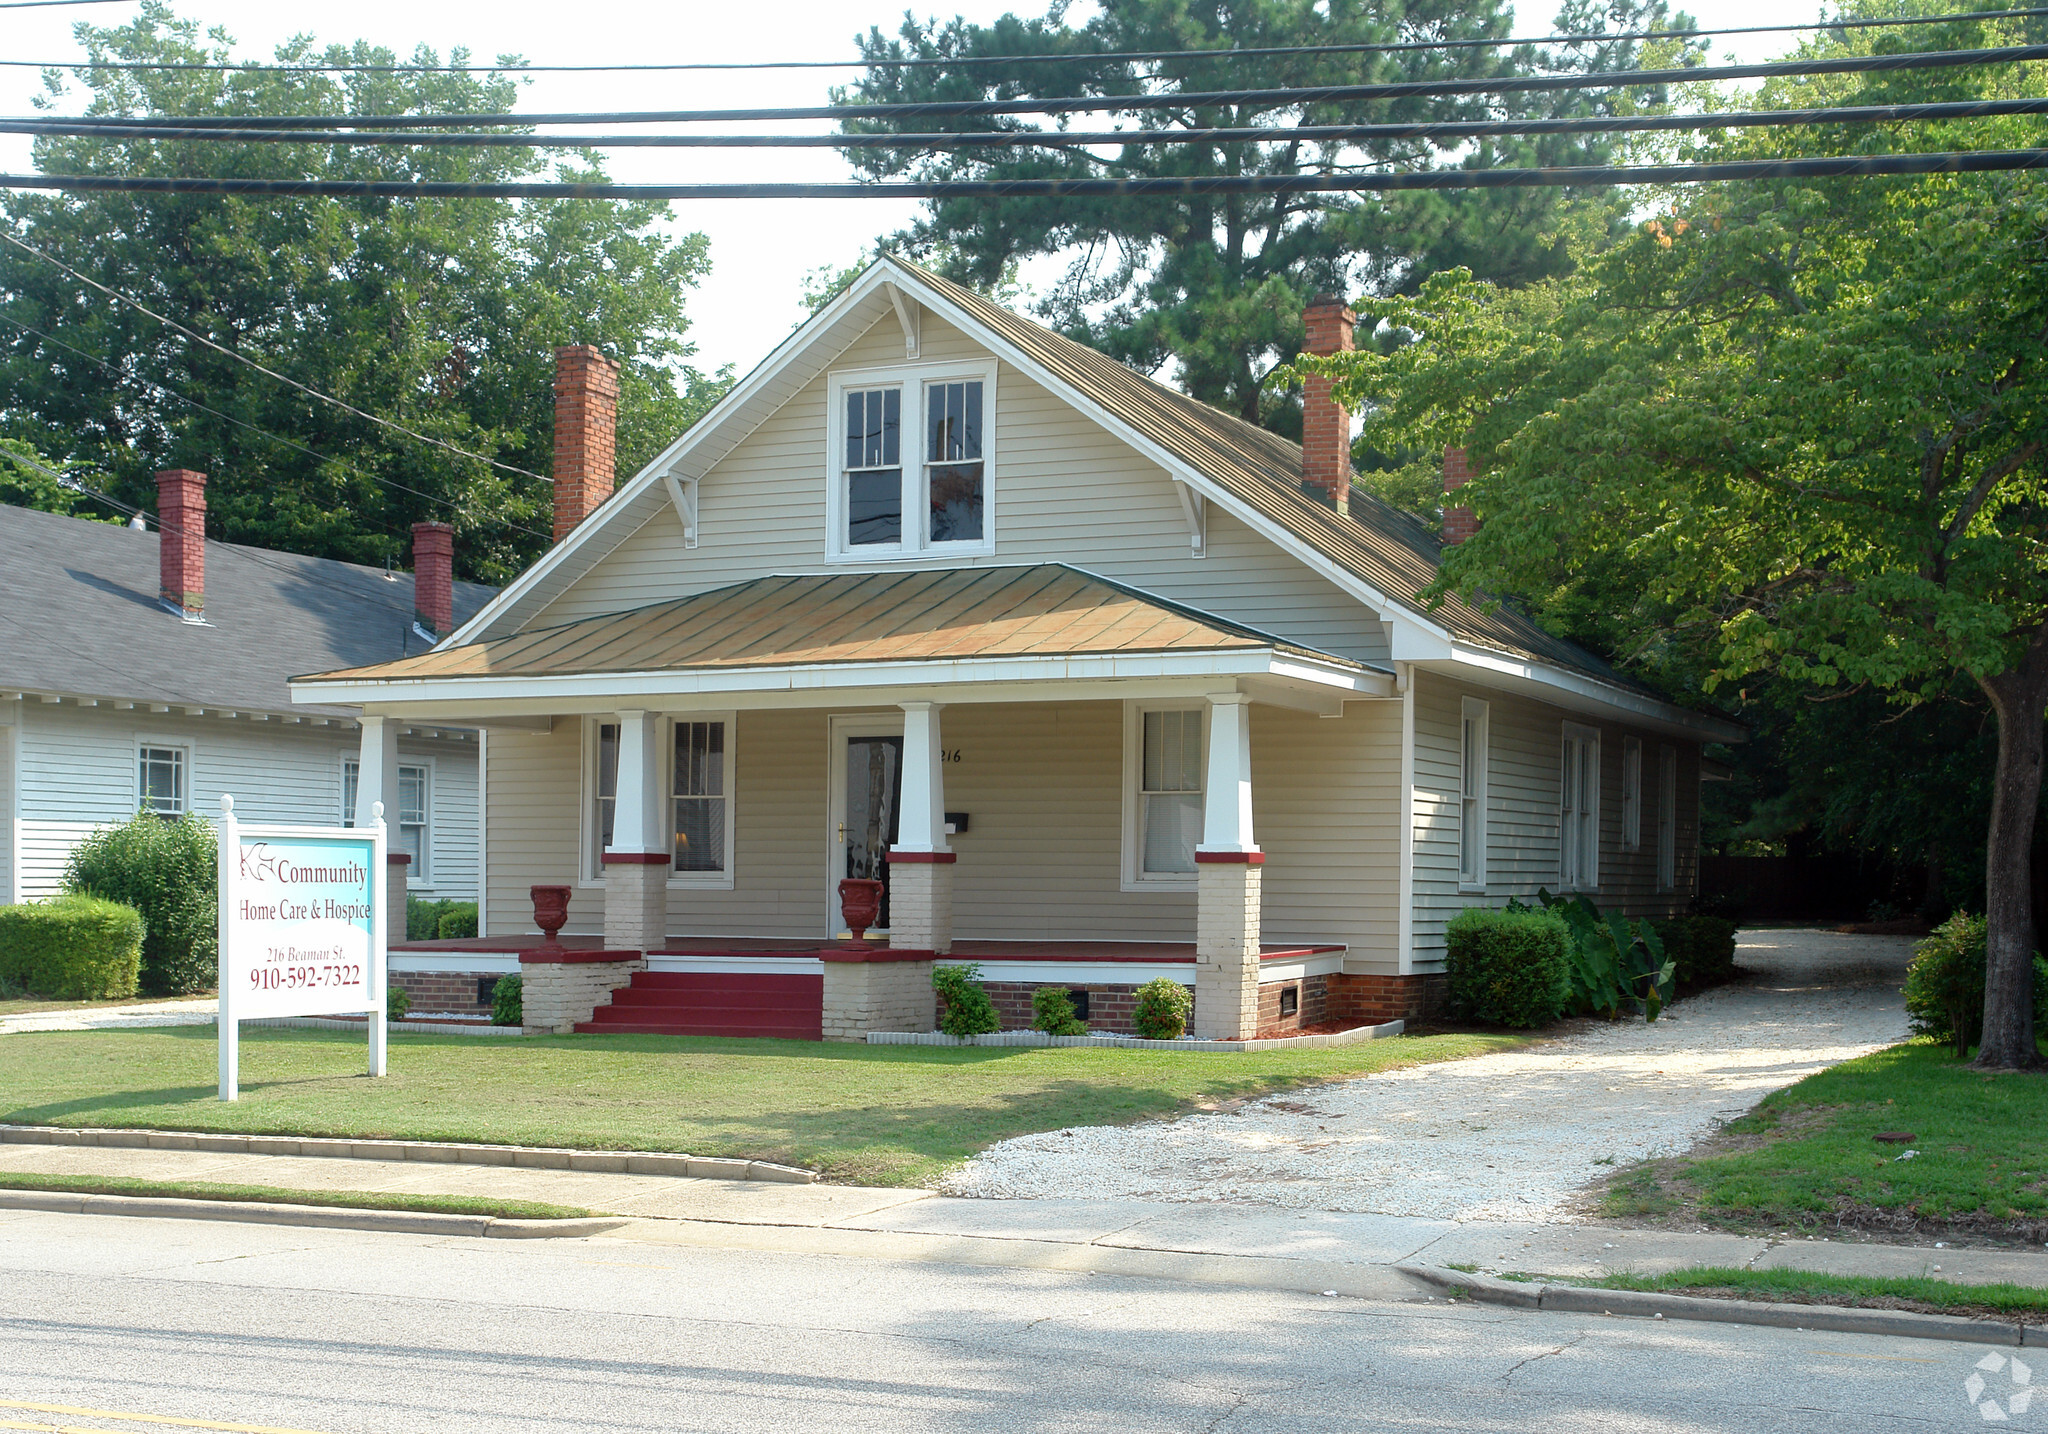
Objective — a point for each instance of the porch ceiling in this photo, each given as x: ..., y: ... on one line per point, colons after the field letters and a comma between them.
x: 1021, y: 617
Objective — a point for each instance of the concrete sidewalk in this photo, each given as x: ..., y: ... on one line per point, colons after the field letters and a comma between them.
x: 894, y: 1223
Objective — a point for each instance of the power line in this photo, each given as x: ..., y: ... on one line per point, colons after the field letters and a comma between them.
x: 1064, y: 139
x: 278, y: 438
x: 1964, y: 162
x: 1076, y: 57
x: 311, y: 392
x: 1069, y: 104
x: 45, y: 4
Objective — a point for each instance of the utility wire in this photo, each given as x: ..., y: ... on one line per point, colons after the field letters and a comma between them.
x: 1964, y: 162
x: 277, y: 438
x: 1075, y: 57
x: 45, y: 4
x: 1163, y: 100
x: 1064, y: 139
x: 196, y: 337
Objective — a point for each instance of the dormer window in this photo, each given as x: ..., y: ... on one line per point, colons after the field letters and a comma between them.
x: 912, y: 462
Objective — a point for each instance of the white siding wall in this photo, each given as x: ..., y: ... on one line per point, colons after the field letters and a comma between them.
x: 1065, y: 491
x: 76, y: 770
x: 10, y: 729
x: 1522, y: 854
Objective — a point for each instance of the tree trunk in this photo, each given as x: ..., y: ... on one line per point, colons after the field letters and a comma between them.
x: 2020, y: 698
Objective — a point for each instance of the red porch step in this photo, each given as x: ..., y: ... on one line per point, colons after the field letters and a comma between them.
x: 705, y: 1003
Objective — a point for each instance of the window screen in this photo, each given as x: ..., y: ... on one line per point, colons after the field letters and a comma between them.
x: 700, y: 796
x: 953, y: 463
x: 1170, y: 790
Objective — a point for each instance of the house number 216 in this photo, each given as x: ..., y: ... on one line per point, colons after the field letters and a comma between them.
x: 949, y: 755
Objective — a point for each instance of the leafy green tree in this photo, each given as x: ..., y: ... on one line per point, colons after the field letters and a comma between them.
x: 438, y: 314
x: 1212, y: 287
x: 1811, y: 418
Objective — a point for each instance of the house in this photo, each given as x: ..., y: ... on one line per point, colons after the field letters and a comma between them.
x: 147, y: 671
x: 1103, y: 683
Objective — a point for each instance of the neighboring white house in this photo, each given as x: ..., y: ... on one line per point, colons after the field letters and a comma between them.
x: 144, y: 671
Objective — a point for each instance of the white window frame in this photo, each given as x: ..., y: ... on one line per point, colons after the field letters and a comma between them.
x: 1578, y: 815
x: 1667, y: 819
x: 1135, y: 877
x: 590, y: 873
x: 180, y: 745
x: 1475, y: 739
x: 420, y: 875
x: 914, y: 379
x: 1631, y: 793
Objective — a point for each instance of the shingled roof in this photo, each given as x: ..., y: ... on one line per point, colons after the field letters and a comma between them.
x: 83, y: 618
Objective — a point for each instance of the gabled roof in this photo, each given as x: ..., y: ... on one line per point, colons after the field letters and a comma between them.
x: 1045, y: 610
x: 83, y: 617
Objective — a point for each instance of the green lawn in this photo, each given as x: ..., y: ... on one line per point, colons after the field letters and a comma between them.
x: 277, y: 1195
x: 1930, y: 1296
x: 1806, y: 1155
x: 32, y: 1005
x: 891, y: 1115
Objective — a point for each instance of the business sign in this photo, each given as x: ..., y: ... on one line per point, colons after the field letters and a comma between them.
x: 301, y: 928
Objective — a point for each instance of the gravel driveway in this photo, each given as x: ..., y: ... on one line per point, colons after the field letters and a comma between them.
x: 1512, y: 1136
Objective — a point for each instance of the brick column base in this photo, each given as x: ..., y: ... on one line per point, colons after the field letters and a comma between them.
x: 635, y: 902
x: 1372, y: 1000
x: 920, y: 902
x: 556, y: 994
x: 1227, y: 950
x: 886, y: 995
x: 396, y: 865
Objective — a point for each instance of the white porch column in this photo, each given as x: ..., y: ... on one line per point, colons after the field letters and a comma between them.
x: 377, y: 781
x: 637, y: 863
x: 1228, y: 864
x: 920, y: 863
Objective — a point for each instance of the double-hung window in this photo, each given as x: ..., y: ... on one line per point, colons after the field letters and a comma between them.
x: 1667, y: 819
x: 698, y: 780
x: 1163, y: 795
x: 407, y: 830
x: 699, y: 796
x: 1472, y: 762
x: 1579, y: 809
x: 911, y: 463
x: 1631, y: 793
x: 161, y: 779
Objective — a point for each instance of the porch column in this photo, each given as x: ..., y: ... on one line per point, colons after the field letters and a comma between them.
x: 1228, y: 866
x: 377, y: 781
x: 920, y: 864
x: 637, y: 863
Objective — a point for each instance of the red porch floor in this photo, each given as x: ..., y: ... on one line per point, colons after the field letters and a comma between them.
x: 1167, y: 951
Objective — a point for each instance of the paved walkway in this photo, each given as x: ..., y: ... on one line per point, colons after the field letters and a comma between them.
x: 190, y: 1012
x: 1515, y: 1136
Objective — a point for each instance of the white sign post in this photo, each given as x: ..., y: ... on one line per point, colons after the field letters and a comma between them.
x: 301, y: 928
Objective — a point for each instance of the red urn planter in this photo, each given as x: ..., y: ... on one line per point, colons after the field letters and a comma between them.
x: 860, y: 902
x: 550, y: 910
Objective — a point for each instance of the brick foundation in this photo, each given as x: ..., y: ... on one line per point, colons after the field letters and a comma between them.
x: 1370, y: 1000
x: 446, y: 990
x: 1311, y: 1009
x: 1109, y: 1007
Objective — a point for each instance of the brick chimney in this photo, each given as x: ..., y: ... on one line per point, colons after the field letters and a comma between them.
x: 1326, y: 425
x: 586, y: 417
x: 181, y: 540
x: 433, y: 577
x: 1459, y: 524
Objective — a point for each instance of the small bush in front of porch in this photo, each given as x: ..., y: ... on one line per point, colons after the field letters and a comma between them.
x: 968, y: 1009
x: 508, y: 1002
x: 1052, y: 1011
x: 1508, y: 968
x: 1162, y: 1010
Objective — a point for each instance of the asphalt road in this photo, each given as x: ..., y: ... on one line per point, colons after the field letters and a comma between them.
x: 339, y: 1332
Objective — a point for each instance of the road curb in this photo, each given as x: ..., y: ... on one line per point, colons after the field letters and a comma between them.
x: 532, y: 1157
x: 1643, y: 1304
x: 322, y: 1217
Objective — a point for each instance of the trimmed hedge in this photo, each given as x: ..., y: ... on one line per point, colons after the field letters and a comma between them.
x: 1162, y: 1010
x: 168, y: 871
x: 1702, y: 946
x: 1508, y: 968
x: 72, y: 948
x: 458, y: 923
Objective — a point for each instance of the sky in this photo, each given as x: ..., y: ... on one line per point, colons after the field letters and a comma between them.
x: 761, y: 249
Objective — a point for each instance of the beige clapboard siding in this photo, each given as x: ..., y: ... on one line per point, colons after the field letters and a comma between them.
x: 534, y: 787
x: 10, y: 730
x: 1065, y: 491
x: 1524, y: 754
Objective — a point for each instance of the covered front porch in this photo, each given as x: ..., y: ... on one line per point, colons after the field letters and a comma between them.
x: 1052, y: 776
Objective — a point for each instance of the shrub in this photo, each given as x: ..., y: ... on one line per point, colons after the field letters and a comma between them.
x: 397, y: 1001
x: 508, y: 1002
x: 1701, y: 948
x: 168, y: 871
x: 423, y: 918
x: 75, y: 948
x: 1509, y: 968
x: 1612, y: 962
x: 969, y: 1011
x: 1945, y: 984
x: 1162, y: 1010
x: 1052, y: 1011
x: 458, y: 923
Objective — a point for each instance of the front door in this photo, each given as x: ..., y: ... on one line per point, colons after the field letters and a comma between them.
x: 867, y: 786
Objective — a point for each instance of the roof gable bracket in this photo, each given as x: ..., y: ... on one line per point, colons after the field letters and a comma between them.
x: 682, y: 493
x: 911, y: 316
x: 1195, y: 508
